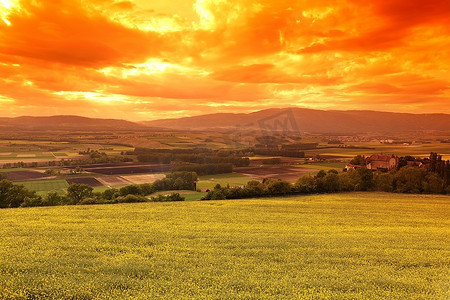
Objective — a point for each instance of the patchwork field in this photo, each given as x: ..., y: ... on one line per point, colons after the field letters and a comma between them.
x: 421, y: 150
x: 46, y: 185
x: 113, y: 180
x: 91, y: 181
x: 25, y: 175
x: 342, y: 246
x: 47, y: 149
x: 233, y: 179
x: 143, y: 178
x: 281, y: 172
x: 338, y: 166
x: 111, y: 169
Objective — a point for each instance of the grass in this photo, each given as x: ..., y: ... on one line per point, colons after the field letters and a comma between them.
x: 338, y: 166
x: 59, y: 153
x: 233, y: 179
x: 12, y: 170
x: 45, y: 185
x: 341, y: 246
x: 187, y: 194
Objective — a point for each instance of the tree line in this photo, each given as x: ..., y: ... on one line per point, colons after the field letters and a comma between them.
x: 406, y: 180
x: 92, y: 157
x: 173, y: 157
x: 15, y: 195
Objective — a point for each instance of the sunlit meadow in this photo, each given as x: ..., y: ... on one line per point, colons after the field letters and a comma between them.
x: 342, y: 246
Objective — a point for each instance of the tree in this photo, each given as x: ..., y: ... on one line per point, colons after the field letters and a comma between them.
x: 358, y: 160
x: 433, y: 184
x: 12, y: 195
x: 254, y: 188
x: 147, y: 188
x: 77, y: 192
x: 409, y: 180
x: 278, y: 187
x: 364, y: 179
x: 331, y: 182
x: 179, y: 184
x: 346, y: 181
x: 132, y: 189
x: 384, y: 182
x: 306, y: 185
x: 110, y: 194
x: 53, y: 198
x: 321, y: 174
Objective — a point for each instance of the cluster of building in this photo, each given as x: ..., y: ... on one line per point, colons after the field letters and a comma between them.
x: 383, y: 162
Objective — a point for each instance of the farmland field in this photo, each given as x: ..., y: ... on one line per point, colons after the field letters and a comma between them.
x: 143, y: 178
x: 340, y: 246
x: 233, y: 179
x: 113, y: 181
x: 85, y: 180
x: 45, y: 185
x: 127, y: 168
x: 281, y: 172
x: 25, y: 175
x: 323, y: 166
x: 421, y: 150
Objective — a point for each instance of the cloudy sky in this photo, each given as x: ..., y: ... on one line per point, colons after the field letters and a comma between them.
x: 151, y: 59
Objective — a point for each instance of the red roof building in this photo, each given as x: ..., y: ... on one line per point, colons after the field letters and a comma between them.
x: 380, y: 161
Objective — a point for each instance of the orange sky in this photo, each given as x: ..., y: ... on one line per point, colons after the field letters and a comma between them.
x: 150, y: 59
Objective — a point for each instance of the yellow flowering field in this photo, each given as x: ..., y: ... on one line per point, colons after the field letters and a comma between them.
x: 339, y: 246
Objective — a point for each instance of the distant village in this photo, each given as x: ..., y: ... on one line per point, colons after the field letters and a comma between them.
x: 394, y: 162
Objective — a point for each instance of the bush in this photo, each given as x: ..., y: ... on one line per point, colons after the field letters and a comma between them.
x: 32, y: 202
x: 271, y: 161
x: 147, y: 189
x: 306, y: 185
x: 88, y: 201
x: 54, y: 198
x: 278, y: 187
x: 130, y: 190
x: 110, y: 194
x: 131, y: 199
x: 215, y: 195
x: 166, y: 198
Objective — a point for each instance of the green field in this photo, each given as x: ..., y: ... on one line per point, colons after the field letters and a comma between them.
x: 187, y: 194
x: 12, y: 170
x: 233, y: 179
x: 59, y: 153
x: 340, y: 246
x: 422, y: 150
x: 338, y: 166
x: 45, y: 185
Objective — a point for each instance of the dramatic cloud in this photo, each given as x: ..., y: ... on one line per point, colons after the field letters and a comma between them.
x: 157, y: 59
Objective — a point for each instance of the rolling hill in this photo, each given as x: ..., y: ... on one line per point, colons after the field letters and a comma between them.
x: 314, y: 121
x: 303, y: 120
x: 67, y: 123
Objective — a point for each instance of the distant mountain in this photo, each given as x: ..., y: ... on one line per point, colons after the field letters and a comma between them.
x: 313, y: 121
x: 304, y: 120
x: 68, y: 123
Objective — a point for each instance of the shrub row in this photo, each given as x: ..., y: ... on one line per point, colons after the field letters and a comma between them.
x: 12, y: 195
x: 406, y: 180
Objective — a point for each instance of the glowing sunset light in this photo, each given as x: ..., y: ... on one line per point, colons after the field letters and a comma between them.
x: 154, y: 59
